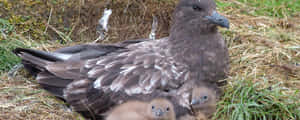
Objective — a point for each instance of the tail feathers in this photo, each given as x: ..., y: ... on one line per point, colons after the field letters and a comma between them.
x: 49, y: 79
x: 36, y: 63
x: 34, y: 60
x: 32, y: 69
x: 51, y: 57
x: 39, y: 62
x: 53, y: 84
x: 56, y: 91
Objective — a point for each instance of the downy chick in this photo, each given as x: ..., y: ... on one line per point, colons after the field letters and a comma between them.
x: 157, y: 109
x: 204, y: 101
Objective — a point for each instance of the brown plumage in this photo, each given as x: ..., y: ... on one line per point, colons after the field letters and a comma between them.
x: 94, y: 78
x: 157, y: 109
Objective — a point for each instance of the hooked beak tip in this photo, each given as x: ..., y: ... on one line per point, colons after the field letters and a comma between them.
x: 219, y: 20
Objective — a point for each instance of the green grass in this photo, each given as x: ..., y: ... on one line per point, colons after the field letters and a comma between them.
x: 8, y: 60
x: 8, y: 41
x: 245, y: 100
x: 12, y: 37
x: 274, y: 8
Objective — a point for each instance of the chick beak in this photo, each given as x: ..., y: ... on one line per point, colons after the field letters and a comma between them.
x: 159, y: 112
x: 194, y: 102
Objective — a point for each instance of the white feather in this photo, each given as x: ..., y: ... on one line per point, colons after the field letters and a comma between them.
x: 163, y: 82
x: 91, y: 72
x: 174, y: 69
x: 97, y: 83
x: 127, y: 70
x: 148, y: 88
x: 153, y: 80
x: 116, y: 87
x: 89, y: 63
x: 158, y: 67
x: 110, y: 64
x: 104, y: 19
x: 100, y: 62
x: 79, y: 83
x: 187, y: 76
x: 134, y: 90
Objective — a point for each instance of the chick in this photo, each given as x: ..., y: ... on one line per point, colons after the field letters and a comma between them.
x: 204, y: 100
x: 157, y: 109
x: 198, y: 116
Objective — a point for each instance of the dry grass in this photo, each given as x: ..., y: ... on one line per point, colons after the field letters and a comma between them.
x: 22, y: 99
x: 264, y: 52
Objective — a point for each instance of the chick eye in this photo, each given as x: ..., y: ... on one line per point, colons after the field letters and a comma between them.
x: 205, y: 97
x: 167, y: 109
x: 153, y: 107
x: 197, y: 8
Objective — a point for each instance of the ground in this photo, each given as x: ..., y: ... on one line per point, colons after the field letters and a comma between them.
x: 263, y: 40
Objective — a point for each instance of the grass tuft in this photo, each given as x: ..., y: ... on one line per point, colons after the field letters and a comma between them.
x: 273, y: 8
x: 8, y: 41
x: 245, y: 100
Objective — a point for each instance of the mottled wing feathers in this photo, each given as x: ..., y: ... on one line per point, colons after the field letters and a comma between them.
x: 66, y: 70
x: 55, y: 70
x: 141, y: 69
x: 47, y: 78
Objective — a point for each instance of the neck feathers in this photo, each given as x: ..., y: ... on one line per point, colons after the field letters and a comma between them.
x: 189, y: 40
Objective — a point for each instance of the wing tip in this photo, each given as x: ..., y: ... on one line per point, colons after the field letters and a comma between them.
x: 18, y: 51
